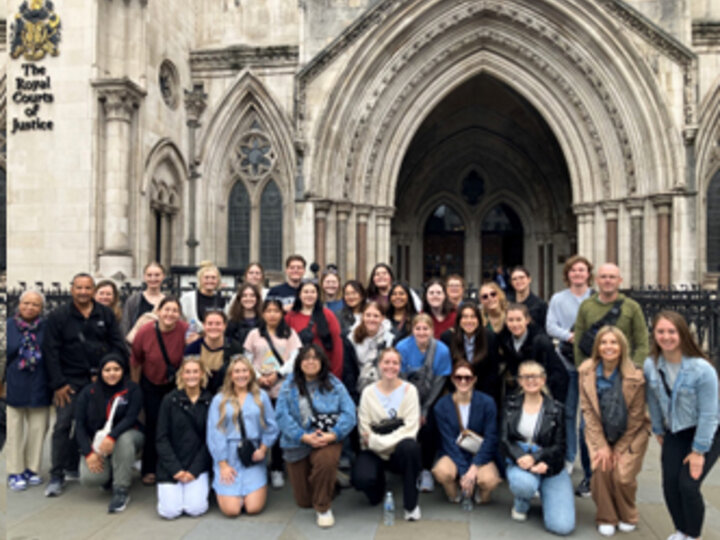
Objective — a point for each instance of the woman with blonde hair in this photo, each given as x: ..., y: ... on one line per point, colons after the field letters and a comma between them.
x: 494, y: 306
x: 617, y: 429
x: 241, y: 428
x: 183, y: 460
x: 206, y: 297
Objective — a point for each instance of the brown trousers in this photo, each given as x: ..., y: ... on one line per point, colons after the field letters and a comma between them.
x: 313, y: 478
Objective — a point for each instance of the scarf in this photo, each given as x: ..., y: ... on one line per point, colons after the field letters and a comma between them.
x: 29, y: 351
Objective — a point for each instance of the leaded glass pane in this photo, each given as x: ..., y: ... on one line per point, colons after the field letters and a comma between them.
x: 271, y: 232
x: 713, y: 224
x: 239, y: 227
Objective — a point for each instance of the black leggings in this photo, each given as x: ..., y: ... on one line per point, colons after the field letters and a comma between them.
x: 369, y: 472
x: 153, y: 395
x: 682, y: 493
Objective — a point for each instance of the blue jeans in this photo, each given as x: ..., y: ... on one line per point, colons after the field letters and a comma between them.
x: 556, y: 492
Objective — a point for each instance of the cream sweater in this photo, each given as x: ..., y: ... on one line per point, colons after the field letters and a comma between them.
x: 371, y: 411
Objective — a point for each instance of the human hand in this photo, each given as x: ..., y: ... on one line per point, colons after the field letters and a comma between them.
x: 63, y: 396
x: 227, y: 473
x: 571, y: 339
x: 696, y: 462
x: 106, y: 446
x: 468, y: 480
x: 660, y: 439
x: 94, y: 463
x: 314, y: 439
x: 259, y: 454
x: 604, y: 459
x: 525, y: 462
x: 539, y: 468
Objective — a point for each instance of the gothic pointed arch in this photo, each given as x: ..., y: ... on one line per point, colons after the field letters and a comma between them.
x: 708, y: 180
x: 248, y: 138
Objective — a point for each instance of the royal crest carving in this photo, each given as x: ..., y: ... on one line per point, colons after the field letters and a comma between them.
x: 35, y: 31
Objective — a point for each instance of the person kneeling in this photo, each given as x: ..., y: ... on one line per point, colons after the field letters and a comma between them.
x: 467, y: 421
x: 106, y: 430
x: 239, y: 438
x: 389, y: 419
x: 183, y: 458
x: 533, y: 441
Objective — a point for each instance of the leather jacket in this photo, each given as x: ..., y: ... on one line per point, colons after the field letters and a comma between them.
x: 549, y: 433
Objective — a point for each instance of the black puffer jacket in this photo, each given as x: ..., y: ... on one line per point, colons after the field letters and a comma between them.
x: 549, y: 433
x: 180, y: 435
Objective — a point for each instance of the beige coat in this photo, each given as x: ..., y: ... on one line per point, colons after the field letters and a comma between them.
x: 632, y: 445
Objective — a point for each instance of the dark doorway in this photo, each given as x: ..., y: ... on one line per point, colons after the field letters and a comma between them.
x: 502, y: 239
x: 444, y: 244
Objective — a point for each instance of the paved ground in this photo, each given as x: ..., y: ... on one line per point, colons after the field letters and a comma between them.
x: 82, y: 514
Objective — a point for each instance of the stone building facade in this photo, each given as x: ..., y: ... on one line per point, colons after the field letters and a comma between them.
x: 437, y: 135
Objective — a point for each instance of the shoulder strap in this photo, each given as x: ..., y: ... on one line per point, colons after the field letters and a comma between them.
x: 430, y: 353
x: 611, y: 316
x: 266, y: 334
x: 668, y: 391
x: 459, y: 416
x: 162, y: 346
x: 241, y: 424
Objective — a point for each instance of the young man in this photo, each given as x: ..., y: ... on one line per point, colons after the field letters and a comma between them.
x: 520, y: 280
x: 560, y: 325
x: 78, y: 335
x: 455, y: 287
x: 294, y: 271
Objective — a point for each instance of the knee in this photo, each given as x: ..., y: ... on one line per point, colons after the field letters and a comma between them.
x: 166, y: 511
x: 443, y: 474
x: 522, y: 484
x: 560, y: 527
x: 196, y: 508
x: 231, y: 510
x: 255, y: 505
x: 686, y: 485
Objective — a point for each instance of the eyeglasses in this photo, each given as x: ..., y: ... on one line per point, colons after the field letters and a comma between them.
x: 463, y: 378
x: 491, y: 294
x: 531, y: 377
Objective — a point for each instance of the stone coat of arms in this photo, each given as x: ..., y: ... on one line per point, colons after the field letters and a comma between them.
x: 35, y: 31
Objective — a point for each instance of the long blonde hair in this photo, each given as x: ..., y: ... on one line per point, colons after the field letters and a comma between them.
x: 625, y: 364
x: 228, y: 392
x: 191, y: 358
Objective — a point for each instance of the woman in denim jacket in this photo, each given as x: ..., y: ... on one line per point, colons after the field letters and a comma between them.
x: 682, y: 395
x: 315, y: 413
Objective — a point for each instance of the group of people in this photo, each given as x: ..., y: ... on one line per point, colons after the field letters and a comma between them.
x: 322, y: 383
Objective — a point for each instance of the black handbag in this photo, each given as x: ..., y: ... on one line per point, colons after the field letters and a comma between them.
x: 587, y: 340
x: 245, y: 448
x: 387, y: 425
x: 613, y: 412
x: 306, y: 334
x: 321, y: 421
x: 422, y: 378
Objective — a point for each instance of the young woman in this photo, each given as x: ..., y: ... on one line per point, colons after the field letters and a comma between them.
x: 140, y: 306
x: 157, y: 352
x: 437, y: 305
x: 183, y: 459
x: 469, y: 341
x: 617, y: 443
x: 272, y: 347
x: 215, y: 348
x: 107, y: 294
x: 394, y: 448
x: 330, y: 287
x: 353, y: 302
x: 381, y: 278
x: 520, y: 280
x: 315, y: 413
x: 240, y: 414
x: 401, y: 311
x: 466, y: 409
x: 426, y: 363
x: 244, y: 313
x: 520, y: 340
x: 28, y: 394
x: 533, y: 442
x: 255, y: 275
x: 206, y: 297
x: 678, y: 373
x: 494, y: 305
x: 369, y: 338
x: 112, y: 458
x: 316, y: 324
x: 455, y: 287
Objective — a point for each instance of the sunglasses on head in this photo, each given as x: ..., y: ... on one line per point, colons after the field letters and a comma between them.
x: 491, y: 294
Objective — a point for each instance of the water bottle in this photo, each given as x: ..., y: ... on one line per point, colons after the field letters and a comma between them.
x: 193, y: 328
x: 467, y: 502
x: 389, y: 510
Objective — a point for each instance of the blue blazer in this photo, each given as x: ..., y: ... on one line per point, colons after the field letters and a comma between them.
x: 482, y: 420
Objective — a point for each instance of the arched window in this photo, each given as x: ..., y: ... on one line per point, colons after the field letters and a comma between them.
x: 239, y: 227
x: 713, y: 224
x: 271, y: 229
x: 444, y: 243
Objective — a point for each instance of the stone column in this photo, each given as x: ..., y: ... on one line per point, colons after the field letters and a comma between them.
x: 586, y: 220
x: 383, y: 217
x: 343, y: 212
x: 663, y: 207
x: 120, y: 99
x: 610, y: 210
x: 361, y: 248
x: 321, y: 213
x: 195, y: 103
x: 636, y: 207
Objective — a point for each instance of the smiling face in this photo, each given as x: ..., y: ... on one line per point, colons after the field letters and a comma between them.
x: 295, y: 272
x: 531, y: 379
x: 308, y: 296
x: 82, y: 290
x: 578, y: 275
x: 435, y: 296
x: 248, y: 299
x: 310, y: 365
x: 463, y: 379
x: 169, y: 314
x: 667, y: 337
x: 516, y: 322
x: 422, y: 333
x: 489, y: 298
x: 331, y: 285
x: 469, y: 322
x: 609, y: 349
x: 398, y: 298
x: 111, y: 373
x: 191, y: 375
x: 389, y: 365
x: 153, y: 276
x: 608, y: 279
x: 240, y: 376
x: 30, y: 306
x: 520, y: 281
x: 372, y: 319
x: 272, y: 315
x: 209, y: 282
x: 381, y: 278
x: 455, y: 291
x: 105, y: 295
x: 254, y: 275
x: 351, y: 297
x: 214, y: 326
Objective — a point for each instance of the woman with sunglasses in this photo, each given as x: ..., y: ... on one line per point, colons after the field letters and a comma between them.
x: 611, y: 385
x: 388, y: 422
x: 401, y: 310
x: 494, y: 305
x: 315, y: 413
x: 682, y: 394
x: 533, y: 442
x: 462, y: 469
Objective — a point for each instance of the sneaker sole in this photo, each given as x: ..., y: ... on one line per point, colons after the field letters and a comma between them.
x: 119, y: 508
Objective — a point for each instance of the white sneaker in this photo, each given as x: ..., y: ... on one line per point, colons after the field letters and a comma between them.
x: 626, y: 527
x: 569, y: 465
x: 413, y: 515
x: 677, y: 535
x: 426, y: 483
x: 606, y: 529
x: 325, y: 519
x: 277, y: 480
x: 518, y: 516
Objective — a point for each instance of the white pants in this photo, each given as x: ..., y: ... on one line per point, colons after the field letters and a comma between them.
x: 26, y: 430
x: 174, y: 498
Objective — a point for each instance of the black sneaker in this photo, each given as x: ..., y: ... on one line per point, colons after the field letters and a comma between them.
x: 583, y: 488
x: 119, y: 501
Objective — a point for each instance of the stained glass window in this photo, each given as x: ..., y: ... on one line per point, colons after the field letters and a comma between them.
x: 239, y: 227
x: 271, y: 229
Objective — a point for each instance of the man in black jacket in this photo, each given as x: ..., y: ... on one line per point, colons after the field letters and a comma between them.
x: 78, y: 335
